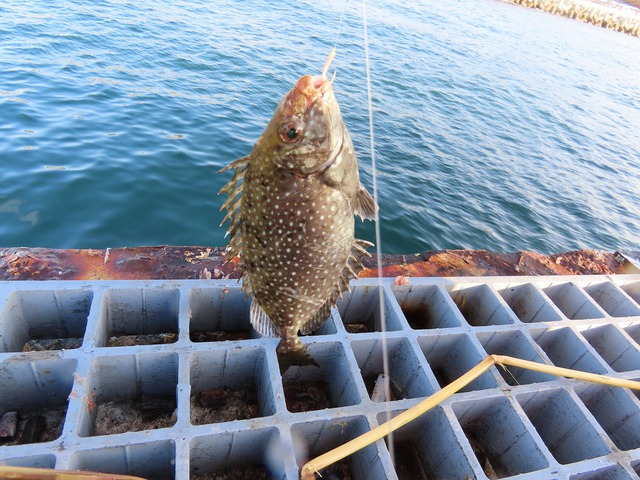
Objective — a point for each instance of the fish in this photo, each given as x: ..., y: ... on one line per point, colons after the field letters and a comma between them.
x: 291, y: 209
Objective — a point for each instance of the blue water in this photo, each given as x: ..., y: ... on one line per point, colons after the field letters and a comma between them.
x: 496, y: 126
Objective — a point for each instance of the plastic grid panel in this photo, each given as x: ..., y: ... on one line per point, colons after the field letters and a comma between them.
x: 505, y: 424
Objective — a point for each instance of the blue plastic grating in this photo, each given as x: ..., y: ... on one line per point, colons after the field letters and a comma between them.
x: 505, y: 424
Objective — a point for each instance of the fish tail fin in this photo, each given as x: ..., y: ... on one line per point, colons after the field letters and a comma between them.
x: 293, y: 352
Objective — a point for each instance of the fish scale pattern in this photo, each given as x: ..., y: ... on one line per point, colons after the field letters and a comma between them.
x: 508, y: 423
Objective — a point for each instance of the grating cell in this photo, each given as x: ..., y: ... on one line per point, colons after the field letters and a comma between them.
x: 314, y: 438
x: 573, y: 303
x: 632, y: 288
x: 613, y: 472
x: 231, y: 384
x: 44, y: 315
x: 407, y: 377
x: 129, y: 393
x: 247, y: 454
x: 528, y: 303
x: 37, y: 390
x: 451, y: 356
x: 153, y: 460
x: 218, y: 314
x: 138, y: 312
x: 633, y: 330
x: 428, y: 448
x: 312, y: 388
x: 499, y: 439
x: 360, y: 311
x: 514, y: 344
x: 566, y: 350
x: 479, y: 305
x: 616, y: 412
x: 426, y: 307
x: 562, y: 426
x: 613, y: 347
x: 612, y: 300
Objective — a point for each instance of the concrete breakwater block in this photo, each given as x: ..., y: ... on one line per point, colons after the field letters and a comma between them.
x: 166, y: 379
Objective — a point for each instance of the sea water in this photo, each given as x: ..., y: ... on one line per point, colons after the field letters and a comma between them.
x: 496, y: 126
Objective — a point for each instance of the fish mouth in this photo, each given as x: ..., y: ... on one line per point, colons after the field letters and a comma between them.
x: 313, y: 86
x: 307, y: 91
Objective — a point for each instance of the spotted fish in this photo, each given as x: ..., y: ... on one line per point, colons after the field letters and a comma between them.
x: 291, y: 208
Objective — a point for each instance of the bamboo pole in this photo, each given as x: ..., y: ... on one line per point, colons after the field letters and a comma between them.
x: 26, y: 473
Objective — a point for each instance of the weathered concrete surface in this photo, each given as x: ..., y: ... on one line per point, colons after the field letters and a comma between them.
x: 179, y: 262
x: 602, y: 13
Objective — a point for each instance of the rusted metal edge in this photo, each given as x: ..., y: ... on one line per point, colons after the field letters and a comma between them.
x: 184, y: 262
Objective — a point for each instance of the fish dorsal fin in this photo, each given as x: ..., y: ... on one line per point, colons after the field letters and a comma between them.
x: 318, y: 319
x: 261, y: 321
x: 365, y: 205
x: 233, y: 188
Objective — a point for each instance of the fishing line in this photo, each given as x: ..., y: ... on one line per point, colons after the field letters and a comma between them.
x: 374, y: 172
x: 339, y: 29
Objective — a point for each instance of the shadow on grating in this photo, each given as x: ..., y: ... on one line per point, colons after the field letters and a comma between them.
x: 426, y: 306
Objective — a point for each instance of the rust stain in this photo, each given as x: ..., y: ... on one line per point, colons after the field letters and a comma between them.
x: 193, y: 262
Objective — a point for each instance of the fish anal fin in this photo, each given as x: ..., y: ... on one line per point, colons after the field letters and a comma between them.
x: 318, y: 319
x: 353, y: 267
x: 366, y: 206
x: 261, y: 321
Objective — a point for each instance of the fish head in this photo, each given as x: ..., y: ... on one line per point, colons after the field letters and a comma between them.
x: 306, y: 130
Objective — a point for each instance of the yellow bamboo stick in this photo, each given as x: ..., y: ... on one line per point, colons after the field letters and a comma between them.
x: 26, y: 473
x: 366, y: 439
x: 566, y: 372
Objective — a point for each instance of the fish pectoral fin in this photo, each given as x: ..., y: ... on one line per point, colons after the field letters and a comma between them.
x: 318, y: 319
x: 261, y: 321
x: 365, y: 204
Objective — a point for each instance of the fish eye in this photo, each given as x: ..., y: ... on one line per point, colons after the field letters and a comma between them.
x: 291, y: 132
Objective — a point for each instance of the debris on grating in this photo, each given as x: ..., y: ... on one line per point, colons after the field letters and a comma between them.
x: 336, y: 471
x: 147, y: 413
x: 220, y: 336
x: 371, y: 380
x: 142, y: 339
x: 42, y: 344
x: 378, y: 393
x: 407, y: 461
x: 8, y: 425
x: 224, y: 405
x: 240, y: 473
x: 357, y: 328
x: 32, y: 427
x: 491, y: 465
x: 306, y: 396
